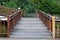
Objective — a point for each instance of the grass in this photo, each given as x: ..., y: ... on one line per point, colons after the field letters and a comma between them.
x: 57, y: 25
x: 3, y: 35
x: 3, y: 30
x: 57, y: 31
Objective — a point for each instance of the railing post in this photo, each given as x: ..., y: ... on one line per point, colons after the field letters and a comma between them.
x: 8, y: 25
x: 0, y: 27
x: 20, y: 14
x: 53, y: 26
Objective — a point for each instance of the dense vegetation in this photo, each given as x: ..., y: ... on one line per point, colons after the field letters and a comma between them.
x: 49, y: 6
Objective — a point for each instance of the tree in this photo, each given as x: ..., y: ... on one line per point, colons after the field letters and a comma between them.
x: 11, y: 3
x: 49, y: 6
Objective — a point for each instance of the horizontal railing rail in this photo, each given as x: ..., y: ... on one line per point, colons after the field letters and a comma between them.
x: 48, y: 20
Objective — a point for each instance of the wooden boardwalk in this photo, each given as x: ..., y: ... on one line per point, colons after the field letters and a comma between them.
x: 30, y: 28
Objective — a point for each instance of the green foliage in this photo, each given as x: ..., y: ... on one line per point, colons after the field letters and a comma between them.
x: 49, y: 6
x: 11, y: 3
x: 4, y: 29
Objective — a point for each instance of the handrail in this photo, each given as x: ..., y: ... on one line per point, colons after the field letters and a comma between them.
x: 48, y: 20
x: 12, y: 19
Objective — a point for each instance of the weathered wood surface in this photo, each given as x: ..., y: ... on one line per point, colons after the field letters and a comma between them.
x: 30, y: 28
x: 25, y: 39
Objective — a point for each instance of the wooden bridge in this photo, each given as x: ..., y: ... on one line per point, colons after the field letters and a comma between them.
x: 40, y: 27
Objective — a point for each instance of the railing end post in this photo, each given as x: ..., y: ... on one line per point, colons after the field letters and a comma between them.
x: 53, y: 26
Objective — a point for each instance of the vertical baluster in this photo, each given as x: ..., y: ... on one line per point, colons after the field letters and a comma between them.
x: 8, y: 26
x: 0, y: 27
x: 58, y: 30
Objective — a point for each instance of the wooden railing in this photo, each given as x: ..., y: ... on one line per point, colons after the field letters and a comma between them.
x: 12, y: 19
x: 48, y: 20
x: 6, y: 26
x: 57, y: 28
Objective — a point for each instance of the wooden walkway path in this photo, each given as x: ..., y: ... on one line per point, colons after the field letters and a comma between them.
x: 30, y: 28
